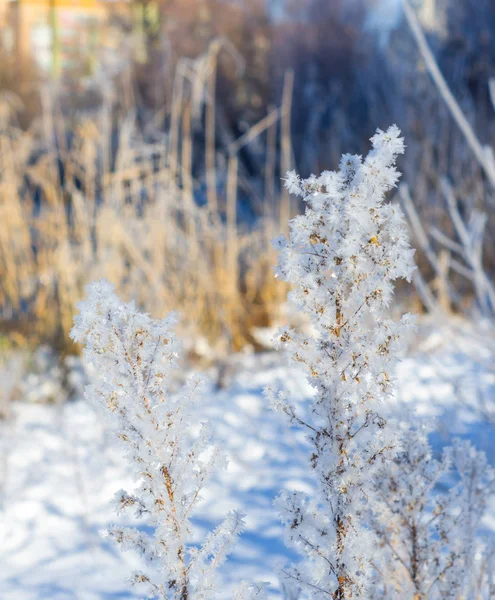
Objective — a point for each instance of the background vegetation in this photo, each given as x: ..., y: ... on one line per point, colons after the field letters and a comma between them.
x: 154, y: 155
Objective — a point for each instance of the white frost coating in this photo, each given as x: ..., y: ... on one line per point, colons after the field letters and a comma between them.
x: 133, y: 357
x: 250, y: 591
x: 427, y: 545
x: 342, y: 257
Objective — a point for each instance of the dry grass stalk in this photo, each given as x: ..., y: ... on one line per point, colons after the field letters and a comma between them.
x: 76, y: 211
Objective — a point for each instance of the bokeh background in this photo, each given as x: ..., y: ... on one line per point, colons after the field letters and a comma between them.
x: 146, y: 141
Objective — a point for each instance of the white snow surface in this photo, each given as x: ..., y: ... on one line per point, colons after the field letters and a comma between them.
x: 59, y: 469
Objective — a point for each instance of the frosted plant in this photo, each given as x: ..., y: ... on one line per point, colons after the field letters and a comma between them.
x: 134, y: 357
x: 471, y: 495
x: 484, y: 574
x: 342, y: 257
x: 427, y: 536
x: 250, y: 591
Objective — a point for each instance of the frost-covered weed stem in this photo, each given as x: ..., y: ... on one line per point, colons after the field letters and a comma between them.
x: 342, y: 257
x: 134, y: 357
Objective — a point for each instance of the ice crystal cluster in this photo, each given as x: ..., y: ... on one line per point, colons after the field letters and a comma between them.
x: 134, y: 357
x: 426, y: 515
x: 342, y: 258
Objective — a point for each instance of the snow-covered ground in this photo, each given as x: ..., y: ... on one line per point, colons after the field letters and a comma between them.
x: 58, y: 468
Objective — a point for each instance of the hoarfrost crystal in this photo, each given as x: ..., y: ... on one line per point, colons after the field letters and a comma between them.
x: 135, y: 357
x: 342, y: 258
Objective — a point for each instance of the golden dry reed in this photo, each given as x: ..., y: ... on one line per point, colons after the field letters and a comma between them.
x: 76, y: 206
